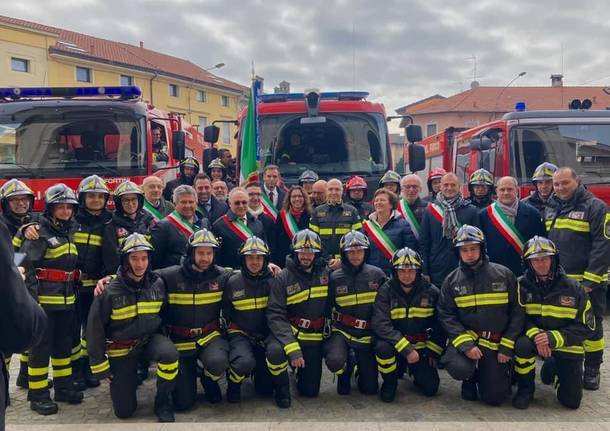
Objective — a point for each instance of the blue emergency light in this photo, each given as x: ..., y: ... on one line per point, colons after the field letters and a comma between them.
x: 334, y: 95
x: 520, y: 106
x: 127, y: 92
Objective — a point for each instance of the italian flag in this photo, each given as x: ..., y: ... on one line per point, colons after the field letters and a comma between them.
x: 182, y: 224
x: 290, y: 225
x: 508, y: 230
x: 249, y: 140
x: 379, y: 238
x: 437, y: 211
x: 268, y: 206
x: 405, y: 210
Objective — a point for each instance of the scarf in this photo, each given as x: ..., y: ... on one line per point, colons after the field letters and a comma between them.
x: 296, y: 214
x: 510, y: 210
x: 450, y: 221
x: 257, y: 212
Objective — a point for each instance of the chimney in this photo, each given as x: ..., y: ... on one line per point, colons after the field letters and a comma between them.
x: 92, y: 49
x: 141, y: 44
x: 557, y: 80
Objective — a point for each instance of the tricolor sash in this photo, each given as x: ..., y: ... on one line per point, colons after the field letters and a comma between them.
x: 183, y: 225
x: 508, y: 230
x: 437, y: 211
x: 379, y: 237
x: 238, y: 228
x: 289, y: 223
x: 405, y: 210
x: 268, y: 206
x: 150, y: 209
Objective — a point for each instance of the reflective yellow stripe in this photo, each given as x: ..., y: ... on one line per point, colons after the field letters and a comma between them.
x: 319, y: 292
x: 325, y: 231
x: 356, y: 299
x: 361, y: 340
x: 167, y: 375
x: 38, y: 385
x: 251, y: 304
x: 63, y: 372
x: 525, y: 370
x: 532, y: 332
x: 87, y: 239
x: 357, y: 226
x: 42, y: 371
x: 234, y: 377
x: 101, y: 367
x: 420, y: 312
x: 559, y: 341
x: 181, y: 347
x: 313, y: 292
x: 577, y: 350
x: 507, y: 342
x: 310, y: 336
x: 551, y: 311
x: 88, y: 283
x: 117, y: 353
x: 402, y: 344
x: 315, y: 228
x: 194, y: 299
x: 142, y: 307
x: 168, y: 367
x: 278, y: 369
x: 398, y: 313
x: 56, y: 300
x: 594, y: 345
x: 434, y: 347
x: 461, y: 339
x: 203, y: 341
x: 569, y: 224
x: 488, y: 344
x: 594, y: 277
x: 149, y: 307
x: 17, y: 242
x: 123, y: 313
x: 577, y: 277
x: 62, y: 250
x: 343, y: 230
x: 386, y: 370
x: 388, y: 361
x: 291, y: 347
x: 481, y: 299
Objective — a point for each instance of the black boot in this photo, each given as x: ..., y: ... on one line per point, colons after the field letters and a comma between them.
x: 78, y: 375
x: 164, y: 409
x: 522, y: 399
x: 69, y: 396
x: 211, y: 389
x: 22, y: 377
x: 44, y: 406
x: 548, y: 371
x: 233, y: 392
x: 344, y: 380
x: 387, y: 393
x: 142, y: 372
x: 469, y: 390
x: 591, y: 378
x: 282, y: 396
x: 90, y: 381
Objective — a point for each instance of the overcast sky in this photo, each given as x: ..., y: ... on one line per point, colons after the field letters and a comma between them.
x: 399, y: 51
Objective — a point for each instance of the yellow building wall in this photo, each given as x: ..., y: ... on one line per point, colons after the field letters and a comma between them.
x: 26, y: 45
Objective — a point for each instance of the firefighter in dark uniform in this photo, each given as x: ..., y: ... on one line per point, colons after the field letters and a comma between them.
x: 406, y: 327
x: 189, y: 168
x: 129, y: 217
x: 124, y: 325
x: 92, y: 218
x: 559, y: 318
x: 17, y: 202
x: 332, y: 220
x: 579, y: 225
x: 352, y: 291
x: 306, y: 180
x: 391, y: 181
x: 482, y: 318
x: 355, y: 190
x: 543, y: 183
x: 244, y: 308
x: 51, y: 273
x: 296, y: 317
x: 194, y: 292
x: 481, y: 188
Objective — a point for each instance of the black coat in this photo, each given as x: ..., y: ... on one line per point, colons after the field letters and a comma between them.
x: 281, y: 194
x: 170, y: 243
x: 228, y: 255
x: 283, y: 241
x: 217, y: 210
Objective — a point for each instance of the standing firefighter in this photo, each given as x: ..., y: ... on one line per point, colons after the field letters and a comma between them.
x: 296, y: 316
x: 245, y: 305
x: 51, y: 264
x: 543, y: 182
x: 123, y: 327
x: 355, y: 191
x: 406, y: 326
x: 479, y: 311
x: 579, y: 225
x: 352, y: 291
x: 559, y: 319
x: 481, y: 188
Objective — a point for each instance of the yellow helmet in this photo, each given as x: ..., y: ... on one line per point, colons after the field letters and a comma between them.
x: 135, y: 242
x: 306, y: 241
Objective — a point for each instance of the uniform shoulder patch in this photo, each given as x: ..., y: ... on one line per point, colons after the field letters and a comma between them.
x: 341, y: 290
x: 347, y: 213
x: 324, y: 279
x: 373, y: 285
x: 497, y: 286
x: 53, y: 241
x: 425, y: 302
x: 293, y: 288
x: 576, y: 215
x: 567, y: 301
x: 214, y: 285
x: 239, y: 293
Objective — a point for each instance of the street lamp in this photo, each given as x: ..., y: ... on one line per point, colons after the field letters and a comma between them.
x: 216, y: 66
x: 502, y: 92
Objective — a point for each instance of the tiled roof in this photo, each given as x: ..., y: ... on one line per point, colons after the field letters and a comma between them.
x: 122, y: 54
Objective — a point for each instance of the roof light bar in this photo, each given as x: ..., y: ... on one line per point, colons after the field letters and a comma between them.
x: 335, y: 95
x: 127, y: 92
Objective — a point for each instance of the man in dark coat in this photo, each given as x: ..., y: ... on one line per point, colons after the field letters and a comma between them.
x: 207, y: 204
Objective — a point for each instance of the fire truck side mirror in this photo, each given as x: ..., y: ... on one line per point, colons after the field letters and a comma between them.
x: 211, y: 133
x: 417, y: 157
x: 178, y: 144
x: 413, y: 133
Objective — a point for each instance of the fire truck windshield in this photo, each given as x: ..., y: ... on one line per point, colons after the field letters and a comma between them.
x: 53, y: 141
x: 584, y: 147
x: 348, y: 143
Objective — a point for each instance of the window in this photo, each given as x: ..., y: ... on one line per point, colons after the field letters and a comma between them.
x: 431, y: 129
x: 20, y: 65
x: 202, y: 96
x: 224, y: 100
x: 173, y: 90
x: 83, y: 74
x: 203, y: 121
x: 126, y: 80
x: 226, y: 133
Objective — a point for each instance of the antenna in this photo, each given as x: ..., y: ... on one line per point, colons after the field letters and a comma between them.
x: 353, y: 52
x: 473, y: 58
x: 562, y: 62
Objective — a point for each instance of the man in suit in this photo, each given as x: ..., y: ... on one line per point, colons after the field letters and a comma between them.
x: 271, y: 178
x: 207, y: 204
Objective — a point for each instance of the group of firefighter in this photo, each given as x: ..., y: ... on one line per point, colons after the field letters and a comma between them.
x: 481, y: 287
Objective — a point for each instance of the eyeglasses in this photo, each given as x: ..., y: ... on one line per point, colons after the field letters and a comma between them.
x: 253, y: 194
x: 240, y: 202
x: 409, y: 186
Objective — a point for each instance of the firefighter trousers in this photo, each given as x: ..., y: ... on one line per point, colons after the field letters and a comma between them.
x: 308, y: 378
x: 425, y: 377
x: 80, y: 359
x: 594, y: 346
x: 493, y: 379
x: 56, y: 344
x: 567, y: 373
x: 247, y: 357
x: 336, y: 353
x: 124, y: 369
x: 214, y: 357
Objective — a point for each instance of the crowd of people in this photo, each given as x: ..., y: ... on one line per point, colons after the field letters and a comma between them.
x: 210, y: 280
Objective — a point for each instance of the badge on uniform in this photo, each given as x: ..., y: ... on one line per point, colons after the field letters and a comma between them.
x: 54, y: 241
x: 214, y: 285
x: 239, y: 294
x: 424, y: 302
x: 347, y: 213
x: 293, y: 288
x: 341, y: 290
x: 322, y: 214
x: 498, y: 287
x: 324, y: 279
x: 567, y: 301
x: 373, y: 285
x: 460, y: 290
x: 576, y: 215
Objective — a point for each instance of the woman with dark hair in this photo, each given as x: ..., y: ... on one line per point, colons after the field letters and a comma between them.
x: 293, y: 217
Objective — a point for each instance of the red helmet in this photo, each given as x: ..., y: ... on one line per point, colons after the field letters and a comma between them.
x: 355, y: 182
x: 436, y: 173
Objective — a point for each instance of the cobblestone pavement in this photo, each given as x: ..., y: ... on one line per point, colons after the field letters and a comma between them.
x: 328, y: 407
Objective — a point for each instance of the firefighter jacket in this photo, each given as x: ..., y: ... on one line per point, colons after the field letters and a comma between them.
x: 351, y: 293
x: 15, y: 224
x: 231, y: 242
x: 536, y: 201
x: 119, y: 228
x: 580, y: 229
x: 331, y: 222
x: 168, y: 191
x: 245, y: 303
x: 480, y: 306
x: 561, y: 308
x: 171, y: 241
x: 88, y: 239
x: 364, y: 208
x: 127, y: 313
x: 297, y: 306
x: 194, y: 301
x: 409, y: 321
x: 51, y: 264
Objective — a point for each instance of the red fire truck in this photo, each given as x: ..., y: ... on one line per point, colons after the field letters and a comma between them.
x: 50, y: 135
x: 520, y: 141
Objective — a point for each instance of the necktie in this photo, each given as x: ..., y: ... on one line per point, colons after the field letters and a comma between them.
x: 271, y: 197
